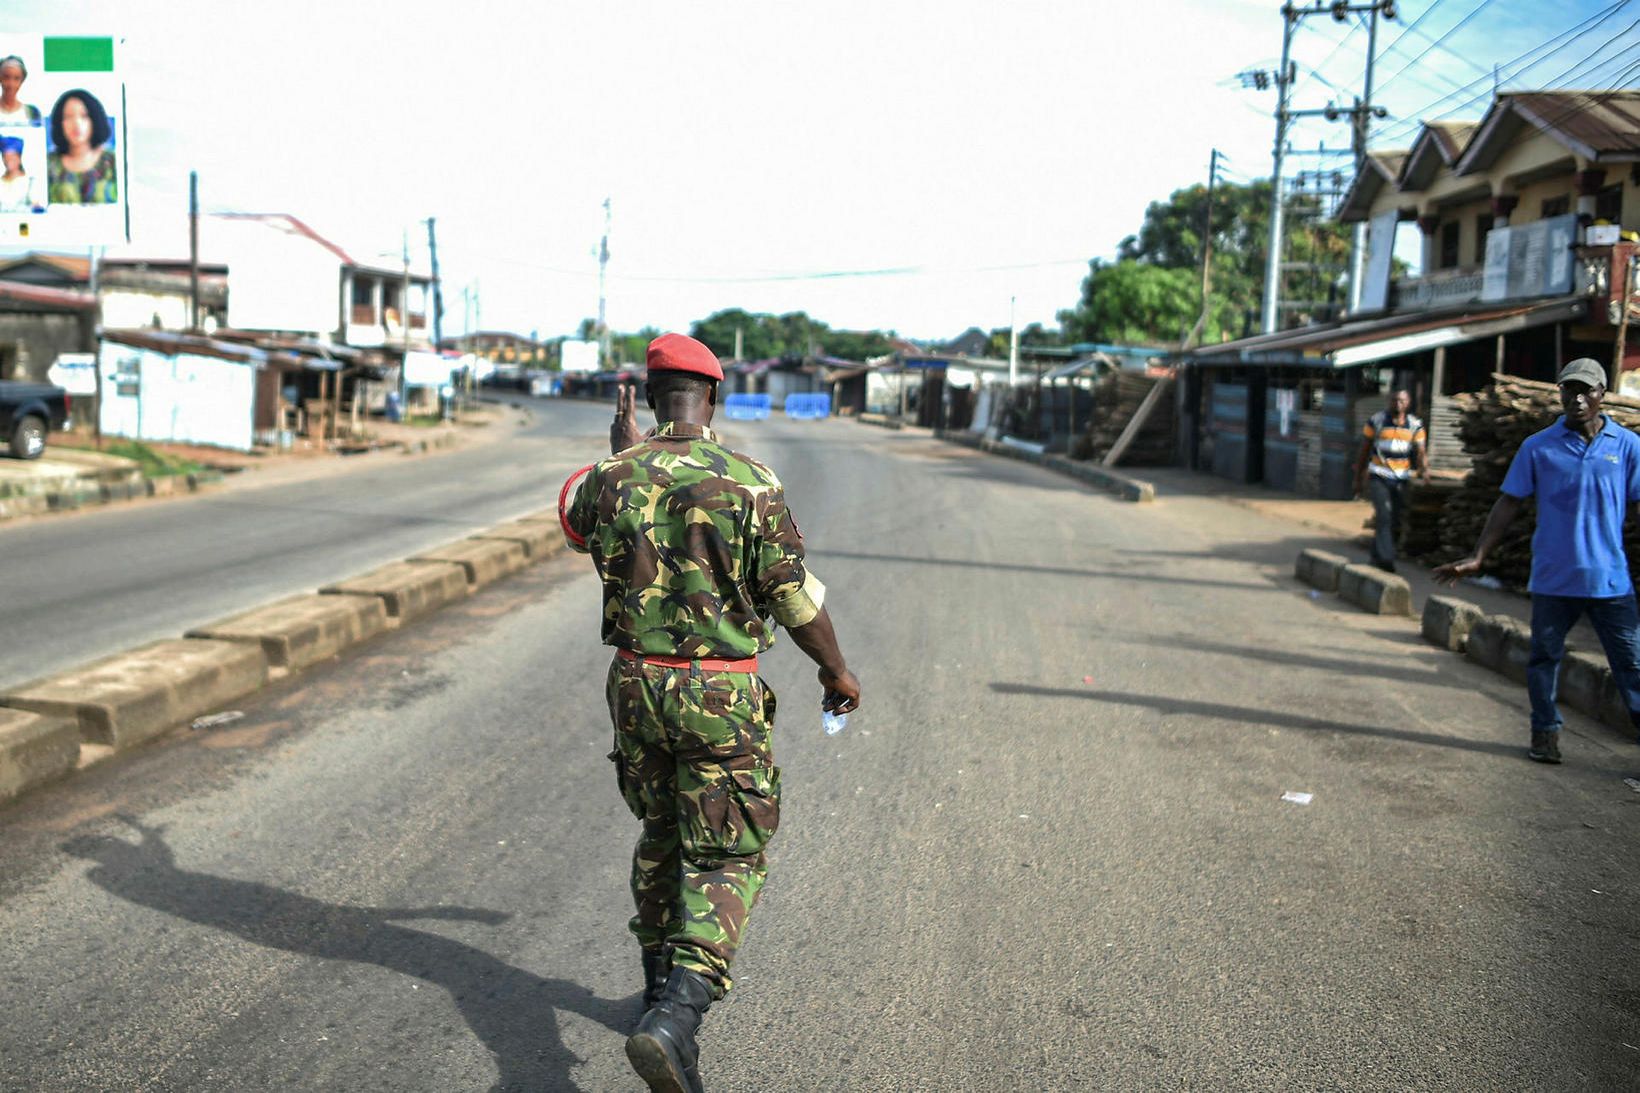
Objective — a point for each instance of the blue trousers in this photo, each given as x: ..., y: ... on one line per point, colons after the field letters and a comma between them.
x: 1389, y: 506
x: 1616, y: 621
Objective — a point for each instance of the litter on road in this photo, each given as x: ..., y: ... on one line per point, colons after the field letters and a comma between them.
x: 215, y: 719
x: 1297, y: 797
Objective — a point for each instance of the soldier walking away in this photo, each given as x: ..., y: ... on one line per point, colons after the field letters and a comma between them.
x: 1584, y: 471
x: 700, y: 560
x: 1392, y: 447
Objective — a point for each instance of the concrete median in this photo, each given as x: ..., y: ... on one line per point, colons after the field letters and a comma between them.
x: 129, y: 697
x: 1320, y: 569
x: 1501, y: 643
x: 302, y: 630
x: 35, y: 749
x: 406, y: 589
x: 1374, y: 590
x: 1447, y: 621
x: 539, y: 539
x: 483, y: 560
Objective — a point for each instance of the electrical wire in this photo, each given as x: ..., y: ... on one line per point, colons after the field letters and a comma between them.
x: 1459, y: 25
x: 1523, y: 63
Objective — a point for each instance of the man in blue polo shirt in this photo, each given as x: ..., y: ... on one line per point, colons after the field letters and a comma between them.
x: 1584, y: 471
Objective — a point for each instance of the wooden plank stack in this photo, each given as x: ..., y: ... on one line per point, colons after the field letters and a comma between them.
x: 1493, y: 423
x: 1116, y: 398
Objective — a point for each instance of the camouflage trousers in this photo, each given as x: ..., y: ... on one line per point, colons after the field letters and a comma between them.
x: 693, y: 763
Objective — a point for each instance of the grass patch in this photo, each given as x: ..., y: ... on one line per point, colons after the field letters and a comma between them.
x: 153, y: 464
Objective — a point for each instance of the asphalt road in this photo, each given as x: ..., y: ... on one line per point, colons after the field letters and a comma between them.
x: 82, y: 586
x: 1049, y: 852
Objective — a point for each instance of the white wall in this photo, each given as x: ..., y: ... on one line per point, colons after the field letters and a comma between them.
x: 185, y: 399
x: 126, y: 308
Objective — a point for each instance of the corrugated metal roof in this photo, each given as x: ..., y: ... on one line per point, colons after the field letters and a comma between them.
x: 1313, y: 345
x: 41, y: 295
x: 1451, y: 137
x: 1606, y: 123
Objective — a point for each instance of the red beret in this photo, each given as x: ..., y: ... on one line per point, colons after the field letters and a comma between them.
x: 681, y: 353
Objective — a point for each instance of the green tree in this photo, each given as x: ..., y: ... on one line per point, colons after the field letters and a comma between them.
x: 1170, y: 241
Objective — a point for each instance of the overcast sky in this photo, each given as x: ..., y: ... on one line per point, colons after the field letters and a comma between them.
x: 773, y: 156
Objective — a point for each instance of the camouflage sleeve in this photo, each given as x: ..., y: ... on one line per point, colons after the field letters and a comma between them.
x: 781, y: 583
x: 583, y: 511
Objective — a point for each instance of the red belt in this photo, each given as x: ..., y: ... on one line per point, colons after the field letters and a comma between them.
x: 749, y: 664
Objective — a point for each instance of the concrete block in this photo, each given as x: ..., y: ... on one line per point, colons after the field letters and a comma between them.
x: 407, y: 589
x: 1320, y: 569
x: 35, y: 749
x: 539, y: 538
x: 1502, y: 643
x: 483, y: 560
x: 302, y: 630
x: 1371, y: 588
x: 126, y: 698
x: 1447, y: 621
x: 1586, y: 684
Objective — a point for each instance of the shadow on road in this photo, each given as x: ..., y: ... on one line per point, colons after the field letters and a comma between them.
x: 1252, y: 716
x: 513, y: 1012
x: 1045, y: 570
x: 1357, y: 666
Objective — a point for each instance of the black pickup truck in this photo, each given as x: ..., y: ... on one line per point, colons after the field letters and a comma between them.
x: 28, y: 411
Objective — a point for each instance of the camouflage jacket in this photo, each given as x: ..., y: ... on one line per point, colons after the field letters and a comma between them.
x: 695, y: 547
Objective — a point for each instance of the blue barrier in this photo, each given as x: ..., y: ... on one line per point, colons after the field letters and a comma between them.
x: 746, y: 407
x: 808, y: 407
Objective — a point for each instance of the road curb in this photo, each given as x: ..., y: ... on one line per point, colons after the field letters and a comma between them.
x: 302, y: 630
x: 1320, y: 569
x: 125, y: 699
x: 1371, y: 589
x: 1501, y: 643
x: 482, y: 560
x: 407, y: 589
x: 35, y: 749
x: 50, y: 726
x: 1124, y: 486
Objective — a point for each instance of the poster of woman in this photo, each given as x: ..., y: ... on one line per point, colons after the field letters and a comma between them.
x: 22, y: 174
x: 81, y: 169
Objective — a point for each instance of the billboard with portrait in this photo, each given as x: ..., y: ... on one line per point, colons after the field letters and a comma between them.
x: 62, y: 141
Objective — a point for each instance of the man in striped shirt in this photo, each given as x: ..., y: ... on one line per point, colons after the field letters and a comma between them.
x: 1392, y: 447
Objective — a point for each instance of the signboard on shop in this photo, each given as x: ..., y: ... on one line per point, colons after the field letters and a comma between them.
x: 1530, y: 259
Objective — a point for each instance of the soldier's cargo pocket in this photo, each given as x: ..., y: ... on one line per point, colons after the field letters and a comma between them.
x: 623, y: 781
x: 739, y: 813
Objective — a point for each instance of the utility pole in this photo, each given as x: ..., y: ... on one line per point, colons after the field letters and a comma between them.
x: 1196, y: 332
x: 1360, y: 115
x: 438, y: 291
x: 603, y: 268
x: 193, y: 251
x: 404, y: 327
x: 1272, y: 260
x: 739, y: 343
x: 1013, y: 343
x: 1358, y: 144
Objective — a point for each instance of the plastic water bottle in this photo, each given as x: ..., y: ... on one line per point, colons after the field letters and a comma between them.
x: 833, y: 723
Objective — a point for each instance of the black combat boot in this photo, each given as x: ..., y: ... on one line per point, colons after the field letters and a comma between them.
x: 663, y: 1050
x: 654, y: 977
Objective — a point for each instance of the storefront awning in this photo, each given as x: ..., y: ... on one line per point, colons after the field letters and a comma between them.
x: 1366, y: 341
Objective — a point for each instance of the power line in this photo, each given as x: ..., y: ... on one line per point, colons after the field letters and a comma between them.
x: 1459, y: 25
x: 1518, y: 65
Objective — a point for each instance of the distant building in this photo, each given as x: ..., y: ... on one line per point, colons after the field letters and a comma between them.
x: 145, y: 292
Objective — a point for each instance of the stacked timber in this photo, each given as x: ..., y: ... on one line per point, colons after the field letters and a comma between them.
x: 1492, y: 424
x: 1426, y: 504
x: 1116, y: 399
